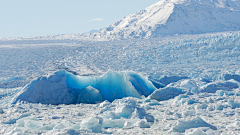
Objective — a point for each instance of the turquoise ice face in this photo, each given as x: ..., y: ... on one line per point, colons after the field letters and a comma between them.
x: 65, y: 88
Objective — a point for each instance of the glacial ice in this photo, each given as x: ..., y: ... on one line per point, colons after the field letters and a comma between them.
x: 65, y: 88
x: 142, y: 124
x: 121, y: 113
x: 89, y: 95
x: 92, y: 123
x: 127, y: 108
x: 47, y: 127
x: 170, y: 79
x: 220, y: 85
x: 166, y: 93
x: 126, y: 113
x: 118, y: 123
x: 32, y: 124
x: 193, y: 123
x: 232, y: 76
x: 141, y: 84
x: 1, y: 110
x: 197, y: 132
x: 207, y: 60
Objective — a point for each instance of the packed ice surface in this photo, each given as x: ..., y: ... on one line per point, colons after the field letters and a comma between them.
x: 207, y: 56
x: 196, y: 78
x: 65, y: 88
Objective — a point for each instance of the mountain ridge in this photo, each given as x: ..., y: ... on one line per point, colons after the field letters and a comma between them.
x: 168, y: 17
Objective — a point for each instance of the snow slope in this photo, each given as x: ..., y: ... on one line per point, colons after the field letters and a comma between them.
x: 169, y: 17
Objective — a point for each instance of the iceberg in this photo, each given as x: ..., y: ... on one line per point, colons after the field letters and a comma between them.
x: 63, y: 87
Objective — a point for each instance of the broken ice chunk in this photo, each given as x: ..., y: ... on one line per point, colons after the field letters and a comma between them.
x: 32, y: 124
x: 142, y: 124
x: 197, y: 132
x: 193, y: 123
x: 220, y: 85
x: 92, y: 123
x: 166, y: 93
x: 1, y: 111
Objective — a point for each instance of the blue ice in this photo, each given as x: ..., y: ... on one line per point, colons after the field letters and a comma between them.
x: 65, y: 88
x: 114, y: 85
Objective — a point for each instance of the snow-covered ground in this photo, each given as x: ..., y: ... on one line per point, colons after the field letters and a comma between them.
x: 195, y: 79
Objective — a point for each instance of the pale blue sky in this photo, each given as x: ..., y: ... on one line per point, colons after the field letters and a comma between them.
x: 47, y: 17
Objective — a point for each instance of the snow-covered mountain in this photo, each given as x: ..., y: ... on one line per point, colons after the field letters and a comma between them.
x: 170, y: 17
x: 165, y: 17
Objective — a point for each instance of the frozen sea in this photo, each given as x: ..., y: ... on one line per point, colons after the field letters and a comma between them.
x: 183, y: 84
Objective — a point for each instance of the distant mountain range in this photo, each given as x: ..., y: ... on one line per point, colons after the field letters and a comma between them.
x: 169, y: 17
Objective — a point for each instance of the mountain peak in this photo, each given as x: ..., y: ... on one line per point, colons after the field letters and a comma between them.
x: 170, y: 17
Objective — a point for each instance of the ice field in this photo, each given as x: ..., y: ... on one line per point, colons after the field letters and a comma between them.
x: 183, y: 84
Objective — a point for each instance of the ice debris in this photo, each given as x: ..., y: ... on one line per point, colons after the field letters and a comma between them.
x: 230, y: 76
x: 219, y: 85
x: 127, y: 108
x: 142, y: 124
x: 29, y: 122
x: 1, y: 111
x: 197, y: 132
x: 93, y: 124
x: 170, y: 79
x: 193, y: 123
x: 166, y: 93
x: 125, y: 113
x: 63, y: 87
x: 233, y: 104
